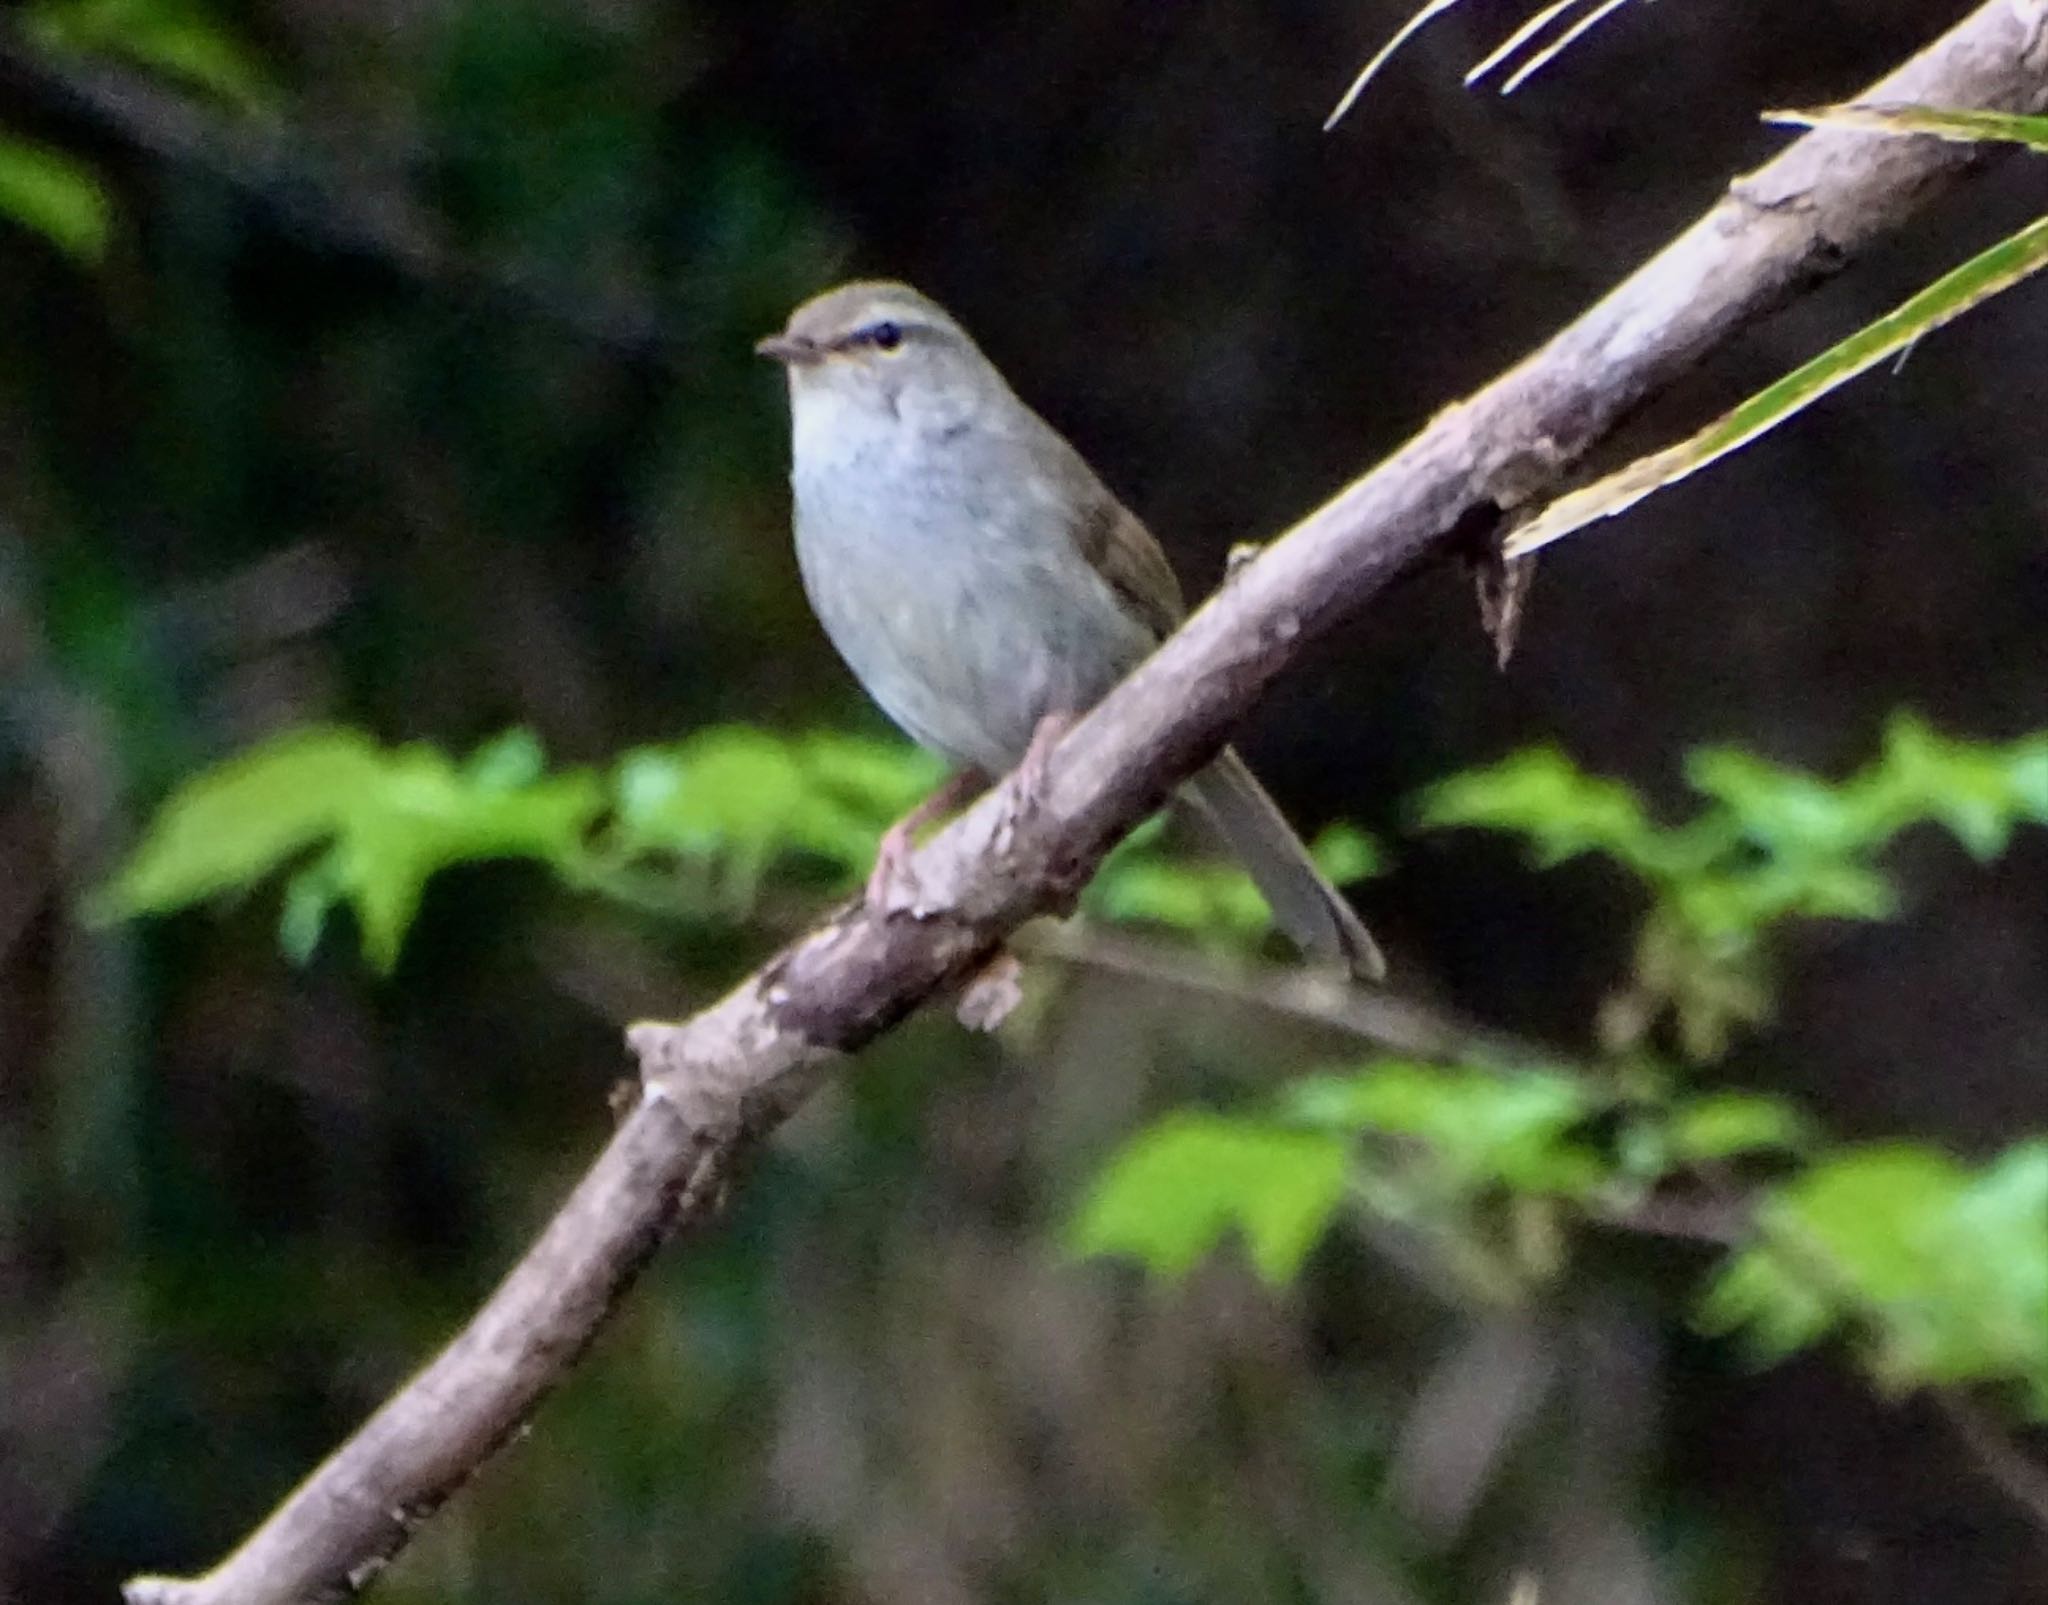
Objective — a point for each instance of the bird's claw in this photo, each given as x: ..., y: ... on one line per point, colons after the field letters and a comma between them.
x: 892, y: 884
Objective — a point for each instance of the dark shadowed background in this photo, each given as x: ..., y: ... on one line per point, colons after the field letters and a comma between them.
x: 438, y: 415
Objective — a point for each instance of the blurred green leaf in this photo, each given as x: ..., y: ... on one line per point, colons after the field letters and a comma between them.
x: 1347, y: 855
x: 1728, y: 1124
x: 741, y: 798
x: 423, y: 815
x: 1994, y: 1256
x: 1178, y: 1189
x: 180, y: 39
x: 1480, y: 1128
x: 309, y: 897
x: 1771, y: 844
x: 506, y: 762
x: 1785, y: 810
x: 1735, y: 906
x: 57, y: 197
x: 1711, y: 981
x: 1200, y: 898
x: 392, y: 818
x: 233, y: 824
x: 1872, y: 1212
x: 1978, y: 792
x: 885, y: 779
x: 1562, y: 811
x: 1212, y: 899
x: 1941, y: 1274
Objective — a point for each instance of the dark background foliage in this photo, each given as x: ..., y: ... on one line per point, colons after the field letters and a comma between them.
x: 438, y: 415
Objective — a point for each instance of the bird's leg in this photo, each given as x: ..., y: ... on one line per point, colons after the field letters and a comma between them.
x: 890, y: 884
x: 1026, y: 794
x: 1032, y: 768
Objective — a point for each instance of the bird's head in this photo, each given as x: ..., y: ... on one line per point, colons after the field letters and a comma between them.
x: 881, y: 346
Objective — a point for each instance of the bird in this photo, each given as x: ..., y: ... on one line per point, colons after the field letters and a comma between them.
x: 984, y: 585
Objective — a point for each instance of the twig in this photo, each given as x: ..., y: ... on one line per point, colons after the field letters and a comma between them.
x: 1684, y: 1215
x: 2014, y: 1472
x: 715, y: 1083
x: 1400, y: 1024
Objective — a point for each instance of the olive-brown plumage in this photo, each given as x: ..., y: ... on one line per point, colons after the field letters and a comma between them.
x: 979, y: 578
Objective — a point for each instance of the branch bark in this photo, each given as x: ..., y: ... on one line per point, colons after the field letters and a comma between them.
x: 713, y: 1085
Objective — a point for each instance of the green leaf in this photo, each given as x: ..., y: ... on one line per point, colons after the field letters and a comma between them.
x: 1178, y: 1189
x: 884, y: 779
x: 722, y: 790
x: 2026, y: 770
x: 1774, y: 1312
x: 1871, y: 1211
x: 232, y: 825
x: 1563, y: 811
x: 1991, y: 1265
x: 1973, y: 790
x: 1480, y: 1128
x: 1211, y: 899
x: 1735, y: 907
x: 309, y: 897
x: 1346, y: 855
x: 1786, y: 810
x: 1200, y: 898
x: 177, y: 38
x: 1707, y: 972
x: 1968, y: 127
x: 56, y: 196
x: 1986, y: 274
x: 1855, y: 1228
x: 506, y: 762
x: 1934, y: 1268
x: 391, y: 819
x: 423, y: 815
x: 741, y: 798
x: 1725, y: 1125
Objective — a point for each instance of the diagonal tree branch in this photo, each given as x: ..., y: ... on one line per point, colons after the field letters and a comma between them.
x: 713, y: 1085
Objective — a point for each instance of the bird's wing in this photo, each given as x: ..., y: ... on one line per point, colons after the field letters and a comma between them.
x: 1105, y: 532
x: 1123, y: 552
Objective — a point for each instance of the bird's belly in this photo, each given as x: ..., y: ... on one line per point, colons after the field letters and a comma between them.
x: 965, y: 635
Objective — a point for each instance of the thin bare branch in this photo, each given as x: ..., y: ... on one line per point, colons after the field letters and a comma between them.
x: 1382, y: 1018
x: 712, y: 1085
x: 2008, y: 1467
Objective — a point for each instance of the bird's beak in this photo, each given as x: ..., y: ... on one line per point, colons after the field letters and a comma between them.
x: 788, y: 349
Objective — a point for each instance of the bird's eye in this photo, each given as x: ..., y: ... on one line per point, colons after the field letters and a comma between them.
x: 885, y: 336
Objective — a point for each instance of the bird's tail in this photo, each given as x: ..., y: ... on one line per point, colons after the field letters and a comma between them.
x: 1305, y: 905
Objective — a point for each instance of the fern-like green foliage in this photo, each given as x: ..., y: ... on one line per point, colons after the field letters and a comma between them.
x: 1770, y: 844
x: 53, y: 195
x: 182, y: 40
x: 60, y: 197
x: 1188, y: 1183
x: 698, y: 829
x: 1928, y: 1268
x: 1935, y: 1271
x: 379, y: 822
x: 1931, y: 1270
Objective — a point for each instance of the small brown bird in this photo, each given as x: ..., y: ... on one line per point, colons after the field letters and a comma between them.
x: 983, y: 584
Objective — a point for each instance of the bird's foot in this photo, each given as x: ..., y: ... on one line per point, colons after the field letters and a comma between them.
x: 892, y: 884
x: 1035, y: 767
